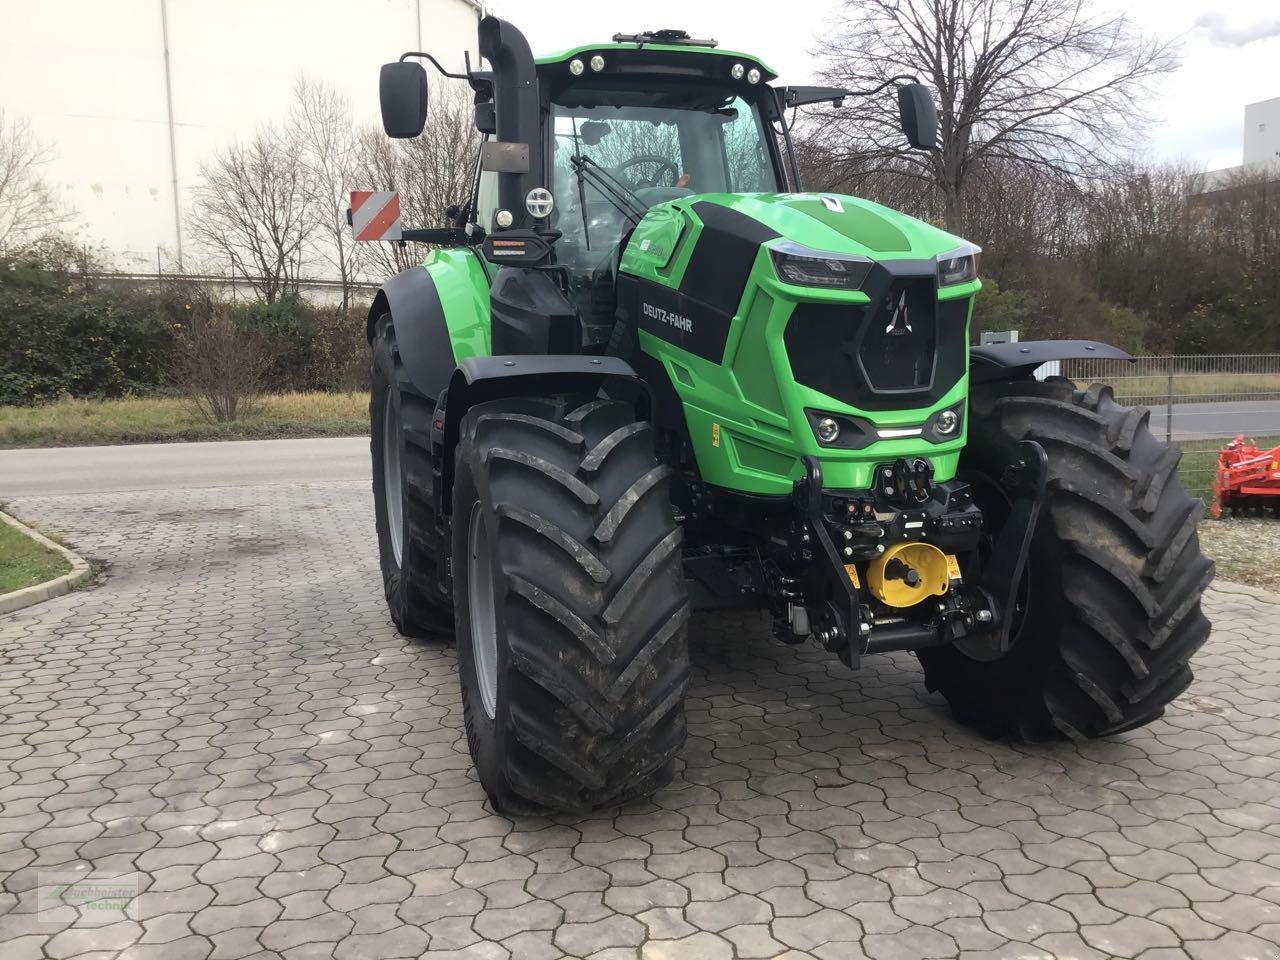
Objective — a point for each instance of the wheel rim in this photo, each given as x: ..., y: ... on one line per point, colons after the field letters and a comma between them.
x: 484, y: 626
x: 392, y: 476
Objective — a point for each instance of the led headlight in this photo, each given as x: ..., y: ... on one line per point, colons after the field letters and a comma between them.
x: 539, y: 202
x: 959, y: 265
x: 806, y: 267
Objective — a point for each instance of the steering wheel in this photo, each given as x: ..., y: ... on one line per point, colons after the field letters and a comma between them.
x: 637, y: 181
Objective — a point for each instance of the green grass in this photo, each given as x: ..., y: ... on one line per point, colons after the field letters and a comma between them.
x: 24, y: 562
x: 1153, y: 389
x: 172, y: 419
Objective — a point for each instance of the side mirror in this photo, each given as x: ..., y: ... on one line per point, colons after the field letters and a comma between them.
x: 918, y: 116
x: 402, y: 94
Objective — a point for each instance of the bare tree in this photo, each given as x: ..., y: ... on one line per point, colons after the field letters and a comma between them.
x: 321, y: 123
x: 29, y: 210
x: 253, y: 210
x: 430, y: 172
x: 1044, y: 84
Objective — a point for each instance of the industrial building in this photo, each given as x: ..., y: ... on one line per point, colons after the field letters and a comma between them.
x: 1261, y: 146
x: 136, y: 94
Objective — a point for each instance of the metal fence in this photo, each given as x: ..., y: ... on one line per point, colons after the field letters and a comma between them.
x: 1195, y: 401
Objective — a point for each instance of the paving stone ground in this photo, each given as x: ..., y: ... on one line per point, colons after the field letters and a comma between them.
x: 231, y: 720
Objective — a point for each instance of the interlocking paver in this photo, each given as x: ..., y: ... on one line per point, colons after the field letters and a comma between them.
x: 231, y: 715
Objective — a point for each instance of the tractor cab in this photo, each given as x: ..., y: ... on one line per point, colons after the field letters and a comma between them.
x: 648, y: 119
x: 645, y: 119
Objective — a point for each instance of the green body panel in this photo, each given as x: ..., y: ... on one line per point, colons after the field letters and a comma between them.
x: 745, y: 415
x: 463, y: 286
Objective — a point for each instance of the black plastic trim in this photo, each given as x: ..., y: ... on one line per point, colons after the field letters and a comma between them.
x: 722, y: 258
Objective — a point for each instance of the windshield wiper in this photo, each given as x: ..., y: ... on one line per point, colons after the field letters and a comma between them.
x: 610, y: 187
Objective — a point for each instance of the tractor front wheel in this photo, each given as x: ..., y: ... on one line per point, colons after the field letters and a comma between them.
x: 1108, y: 614
x: 571, y: 604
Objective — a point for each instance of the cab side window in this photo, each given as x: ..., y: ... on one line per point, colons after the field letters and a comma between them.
x: 486, y: 199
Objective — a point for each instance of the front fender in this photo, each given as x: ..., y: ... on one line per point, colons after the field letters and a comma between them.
x: 481, y: 379
x: 1015, y: 361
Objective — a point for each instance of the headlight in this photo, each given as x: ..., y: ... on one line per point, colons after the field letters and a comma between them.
x: 959, y: 266
x: 806, y: 267
x: 944, y: 425
x: 828, y: 430
x: 539, y: 202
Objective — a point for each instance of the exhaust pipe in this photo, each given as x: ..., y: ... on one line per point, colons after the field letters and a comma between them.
x: 515, y: 101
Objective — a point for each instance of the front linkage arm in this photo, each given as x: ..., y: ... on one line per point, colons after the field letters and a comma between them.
x: 1001, y: 576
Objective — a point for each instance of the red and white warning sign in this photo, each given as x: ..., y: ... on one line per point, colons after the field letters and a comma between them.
x: 375, y: 215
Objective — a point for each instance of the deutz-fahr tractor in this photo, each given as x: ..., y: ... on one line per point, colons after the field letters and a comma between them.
x: 641, y: 373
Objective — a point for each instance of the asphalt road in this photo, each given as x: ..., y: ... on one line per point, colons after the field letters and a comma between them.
x: 64, y: 471
x: 1254, y: 418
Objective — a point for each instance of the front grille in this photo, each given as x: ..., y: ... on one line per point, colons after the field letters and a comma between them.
x: 904, y: 349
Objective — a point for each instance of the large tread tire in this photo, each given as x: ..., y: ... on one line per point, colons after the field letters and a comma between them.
x: 412, y: 585
x: 589, y: 603
x: 1112, y: 593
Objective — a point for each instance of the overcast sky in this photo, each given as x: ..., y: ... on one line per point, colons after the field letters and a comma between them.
x: 1230, y: 52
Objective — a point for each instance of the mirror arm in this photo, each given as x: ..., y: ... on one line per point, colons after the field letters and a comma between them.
x: 909, y: 77
x: 444, y: 236
x: 436, y: 63
x: 836, y: 95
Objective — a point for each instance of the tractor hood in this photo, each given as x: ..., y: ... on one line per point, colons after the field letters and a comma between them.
x: 842, y: 224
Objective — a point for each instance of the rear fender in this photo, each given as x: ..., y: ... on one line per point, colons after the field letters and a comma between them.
x: 1016, y: 361
x: 441, y: 316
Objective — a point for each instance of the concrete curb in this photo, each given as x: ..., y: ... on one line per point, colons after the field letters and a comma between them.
x: 28, y: 596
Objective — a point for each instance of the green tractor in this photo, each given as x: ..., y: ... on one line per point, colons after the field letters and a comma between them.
x: 642, y: 373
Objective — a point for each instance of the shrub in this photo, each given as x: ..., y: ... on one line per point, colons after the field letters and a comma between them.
x: 64, y: 337
x: 287, y: 330
x: 340, y: 354
x: 222, y: 366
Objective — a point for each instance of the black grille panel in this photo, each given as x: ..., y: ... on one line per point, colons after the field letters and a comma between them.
x: 903, y: 349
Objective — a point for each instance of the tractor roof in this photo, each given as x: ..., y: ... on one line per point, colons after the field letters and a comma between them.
x: 682, y: 46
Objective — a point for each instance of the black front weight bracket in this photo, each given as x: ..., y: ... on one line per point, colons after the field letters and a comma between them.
x: 807, y: 493
x: 1001, y: 577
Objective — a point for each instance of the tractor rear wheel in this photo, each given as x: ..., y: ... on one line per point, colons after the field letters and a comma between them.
x: 1109, y: 611
x: 399, y: 428
x: 571, y: 604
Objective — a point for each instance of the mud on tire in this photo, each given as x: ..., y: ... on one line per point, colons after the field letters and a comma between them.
x: 589, y: 607
x: 418, y: 605
x: 1112, y: 592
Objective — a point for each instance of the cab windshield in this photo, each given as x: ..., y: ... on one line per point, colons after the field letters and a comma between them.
x: 617, y: 151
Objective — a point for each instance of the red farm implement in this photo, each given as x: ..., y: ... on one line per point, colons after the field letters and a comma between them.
x: 1246, y: 477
